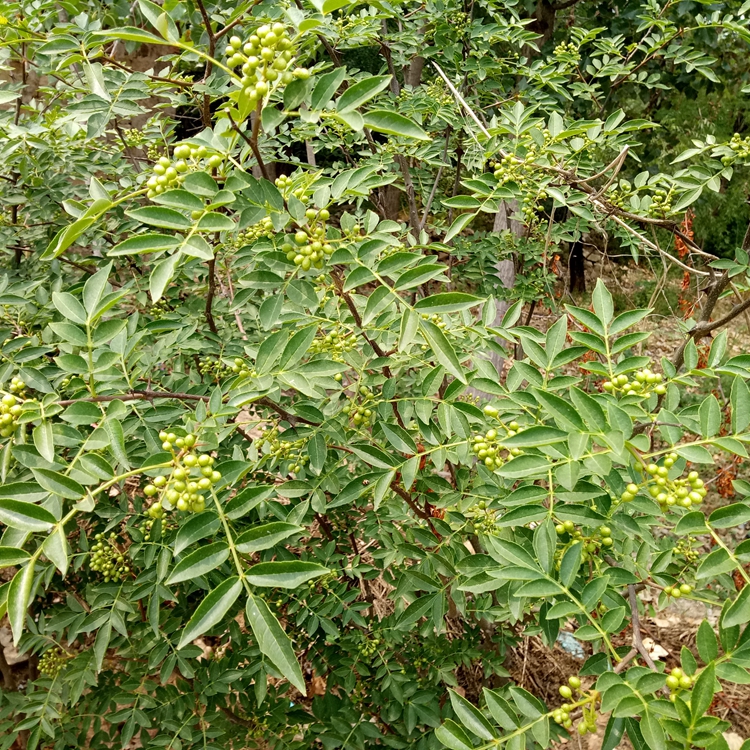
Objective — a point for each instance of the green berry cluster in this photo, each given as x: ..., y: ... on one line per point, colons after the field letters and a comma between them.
x: 592, y: 544
x: 52, y: 661
x: 336, y: 344
x: 154, y: 151
x: 588, y: 708
x: 435, y: 318
x: 10, y: 411
x: 214, y: 367
x: 483, y: 518
x: 133, y: 137
x: 168, y: 174
x: 368, y: 647
x: 438, y: 93
x: 285, y: 184
x: 266, y: 56
x: 684, y: 491
x: 661, y: 203
x: 567, y: 49
x: 362, y: 414
x: 741, y: 148
x: 310, y: 248
x: 677, y: 681
x: 272, y: 444
x: 323, y: 583
x: 159, y: 309
x: 181, y: 490
x: 644, y: 382
x: 678, y: 590
x: 684, y: 547
x: 515, y: 168
x: 107, y: 559
x: 459, y: 21
x: 242, y: 369
x: 17, y: 386
x: 264, y: 228
x: 487, y: 448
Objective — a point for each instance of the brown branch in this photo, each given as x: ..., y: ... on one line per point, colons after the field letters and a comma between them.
x: 704, y: 325
x: 564, y: 4
x: 411, y: 195
x: 235, y: 719
x: 439, y: 174
x: 402, y: 493
x: 7, y: 673
x: 134, y: 396
x: 172, y: 81
x: 293, y: 419
x: 637, y: 638
x: 252, y: 141
x: 211, y: 266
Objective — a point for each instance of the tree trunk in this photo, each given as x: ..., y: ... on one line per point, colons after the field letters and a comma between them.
x: 576, y: 269
x: 506, y: 273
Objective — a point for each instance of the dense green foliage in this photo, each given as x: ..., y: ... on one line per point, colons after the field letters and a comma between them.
x: 282, y: 459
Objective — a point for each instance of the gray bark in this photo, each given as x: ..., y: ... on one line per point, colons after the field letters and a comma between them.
x: 506, y: 273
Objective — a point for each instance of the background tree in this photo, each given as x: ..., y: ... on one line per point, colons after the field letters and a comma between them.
x: 264, y: 481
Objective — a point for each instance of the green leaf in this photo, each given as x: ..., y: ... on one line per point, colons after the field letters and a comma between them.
x: 703, y: 693
x: 286, y: 575
x: 69, y: 307
x: 181, y: 199
x: 145, y: 243
x: 536, y: 435
x: 25, y: 516
x: 710, y: 416
x: 500, y: 710
x: 714, y: 564
x: 361, y: 92
x: 266, y: 536
x: 59, y: 484
x: 602, y: 301
x: 211, y: 610
x: 165, y: 218
x: 326, y: 87
x: 19, y: 595
x: 199, y: 562
x: 458, y: 225
x: 570, y: 564
x: 161, y: 276
x: 131, y: 34
x: 399, y: 438
x: 652, y: 732
x: 471, y: 717
x: 453, y: 737
x: 11, y: 556
x: 461, y: 201
x: 560, y: 410
x: 441, y: 347
x: 729, y: 515
x: 215, y: 222
x: 384, y: 121
x: 197, y: 527
x: 297, y: 347
x: 94, y: 289
x: 245, y: 501
x: 273, y: 642
x: 740, y: 400
x: 708, y: 647
x: 738, y: 612
x: 447, y: 302
x: 44, y: 440
x: 539, y: 588
x: 55, y: 548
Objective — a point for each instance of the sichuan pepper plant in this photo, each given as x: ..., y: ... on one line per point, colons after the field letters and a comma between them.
x: 262, y: 484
